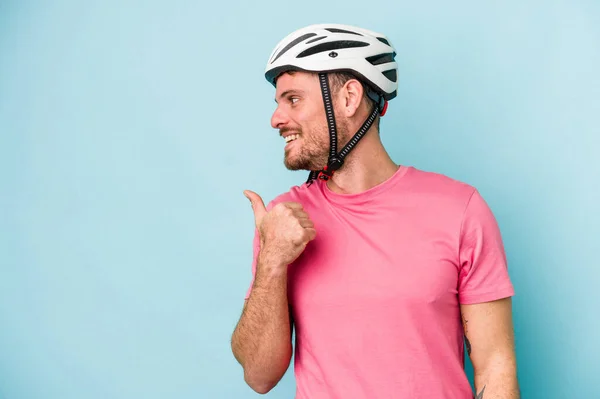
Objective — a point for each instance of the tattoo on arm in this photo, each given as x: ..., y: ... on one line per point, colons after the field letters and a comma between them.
x: 480, y: 394
x: 468, y: 346
x: 465, y: 321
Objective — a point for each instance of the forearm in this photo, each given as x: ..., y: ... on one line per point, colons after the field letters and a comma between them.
x: 490, y: 344
x: 262, y: 339
x: 497, y: 380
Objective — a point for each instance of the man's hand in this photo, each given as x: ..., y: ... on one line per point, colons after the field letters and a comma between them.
x: 261, y: 341
x: 284, y: 231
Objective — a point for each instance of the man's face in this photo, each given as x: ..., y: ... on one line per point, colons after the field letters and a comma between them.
x: 300, y: 117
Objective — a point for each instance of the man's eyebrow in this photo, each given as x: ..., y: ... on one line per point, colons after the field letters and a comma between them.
x: 288, y: 92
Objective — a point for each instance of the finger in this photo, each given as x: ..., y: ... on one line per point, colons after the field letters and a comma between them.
x: 258, y: 206
x: 306, y: 223
x: 293, y: 205
x: 300, y: 214
x: 311, y: 233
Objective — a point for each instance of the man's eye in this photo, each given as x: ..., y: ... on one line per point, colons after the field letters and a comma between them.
x: 293, y: 100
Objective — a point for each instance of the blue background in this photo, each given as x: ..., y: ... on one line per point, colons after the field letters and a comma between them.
x: 128, y: 131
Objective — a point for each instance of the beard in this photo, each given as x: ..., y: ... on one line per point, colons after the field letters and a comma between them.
x: 312, y: 150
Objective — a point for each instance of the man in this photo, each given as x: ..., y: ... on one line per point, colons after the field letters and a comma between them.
x: 381, y: 269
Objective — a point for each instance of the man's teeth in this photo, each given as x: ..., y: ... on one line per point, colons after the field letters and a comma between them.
x: 291, y: 137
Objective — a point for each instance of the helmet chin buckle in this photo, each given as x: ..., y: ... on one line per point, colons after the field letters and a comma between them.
x: 327, y: 172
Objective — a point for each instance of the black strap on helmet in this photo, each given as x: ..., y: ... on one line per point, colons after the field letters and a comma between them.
x: 336, y: 160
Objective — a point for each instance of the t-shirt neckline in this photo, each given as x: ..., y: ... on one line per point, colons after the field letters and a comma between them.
x: 367, y: 194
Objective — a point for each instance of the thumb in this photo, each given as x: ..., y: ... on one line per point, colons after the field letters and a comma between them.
x: 258, y: 206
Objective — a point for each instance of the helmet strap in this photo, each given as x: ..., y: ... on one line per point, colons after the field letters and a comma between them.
x: 336, y: 160
x: 325, y: 91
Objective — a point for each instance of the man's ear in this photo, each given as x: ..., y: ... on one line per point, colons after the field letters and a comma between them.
x: 352, y: 93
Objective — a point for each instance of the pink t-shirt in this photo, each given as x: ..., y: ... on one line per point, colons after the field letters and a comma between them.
x: 375, y: 297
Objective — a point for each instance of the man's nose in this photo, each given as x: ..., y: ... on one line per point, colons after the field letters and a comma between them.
x: 279, y: 118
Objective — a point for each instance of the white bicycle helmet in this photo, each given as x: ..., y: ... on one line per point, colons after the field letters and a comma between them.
x: 324, y: 48
x: 336, y: 47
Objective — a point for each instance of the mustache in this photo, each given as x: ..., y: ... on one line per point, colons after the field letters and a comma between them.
x: 285, y: 130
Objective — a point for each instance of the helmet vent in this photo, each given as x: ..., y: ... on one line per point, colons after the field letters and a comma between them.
x: 391, y: 75
x: 316, y: 39
x: 384, y: 41
x: 293, y: 43
x: 337, y: 30
x: 381, y: 58
x: 337, y: 45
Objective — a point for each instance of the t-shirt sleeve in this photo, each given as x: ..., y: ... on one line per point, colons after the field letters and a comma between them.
x: 255, y: 250
x: 483, y: 273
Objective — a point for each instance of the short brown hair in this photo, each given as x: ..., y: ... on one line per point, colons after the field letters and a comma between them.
x: 338, y: 79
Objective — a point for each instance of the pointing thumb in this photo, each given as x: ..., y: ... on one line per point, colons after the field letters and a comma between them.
x: 258, y: 206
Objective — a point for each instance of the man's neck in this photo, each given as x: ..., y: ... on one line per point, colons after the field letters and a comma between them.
x: 367, y: 166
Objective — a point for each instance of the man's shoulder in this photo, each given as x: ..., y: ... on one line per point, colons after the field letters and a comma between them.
x: 296, y: 193
x: 440, y: 185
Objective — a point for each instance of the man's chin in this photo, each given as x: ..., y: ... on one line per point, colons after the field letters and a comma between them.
x: 303, y: 163
x: 295, y: 164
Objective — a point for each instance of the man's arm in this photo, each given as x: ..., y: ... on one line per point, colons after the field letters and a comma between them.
x: 490, y: 345
x: 261, y: 342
